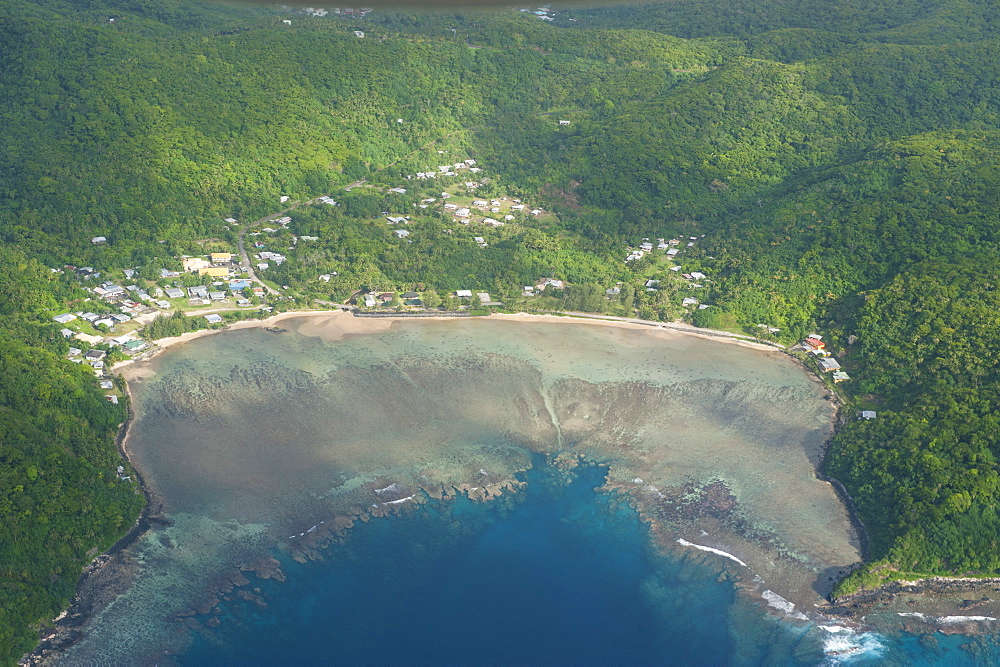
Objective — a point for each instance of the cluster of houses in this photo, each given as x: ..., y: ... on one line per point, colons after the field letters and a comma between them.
x: 375, y: 299
x: 539, y: 287
x: 463, y: 215
x: 544, y: 13
x: 673, y: 247
x: 447, y: 170
x: 350, y: 12
x: 815, y: 346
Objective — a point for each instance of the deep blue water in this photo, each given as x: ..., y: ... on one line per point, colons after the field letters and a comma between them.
x: 556, y: 574
x: 553, y: 575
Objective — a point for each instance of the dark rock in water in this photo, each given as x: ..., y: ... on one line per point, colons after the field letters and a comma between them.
x: 275, y: 330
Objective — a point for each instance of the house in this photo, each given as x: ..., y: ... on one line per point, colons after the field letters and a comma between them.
x: 395, y: 219
x: 370, y: 301
x: 402, y: 233
x: 463, y: 293
x: 74, y: 351
x: 564, y: 122
x: 167, y: 273
x: 263, y: 266
x: 106, y: 321
x: 239, y: 285
x: 697, y: 275
x: 479, y: 202
x: 545, y: 282
x: 67, y: 333
x: 462, y: 213
x: 194, y: 263
x: 65, y: 318
x: 230, y: 220
x: 198, y: 291
x: 98, y: 240
x: 470, y: 162
x: 401, y: 191
x: 646, y: 246
x: 243, y: 302
x: 220, y: 257
x: 95, y: 355
x: 358, y: 33
x: 410, y: 295
x: 107, y: 384
x: 829, y: 364
x: 652, y: 284
x: 484, y: 297
x: 517, y: 207
x: 213, y: 318
x: 214, y: 272
x: 174, y: 292
x: 283, y: 198
x: 868, y: 414
x: 481, y: 241
x: 689, y: 301
x: 112, y: 399
x: 840, y: 376
x: 672, y: 252
x: 120, y: 317
x: 217, y: 296
x: 536, y: 211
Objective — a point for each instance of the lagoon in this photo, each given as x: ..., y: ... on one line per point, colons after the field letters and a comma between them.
x: 282, y: 465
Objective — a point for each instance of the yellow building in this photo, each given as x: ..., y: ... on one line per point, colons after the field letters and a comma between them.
x: 220, y: 256
x: 214, y: 272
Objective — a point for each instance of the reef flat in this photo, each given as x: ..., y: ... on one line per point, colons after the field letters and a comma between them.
x: 259, y: 448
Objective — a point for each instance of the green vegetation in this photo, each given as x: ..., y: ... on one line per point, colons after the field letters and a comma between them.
x: 835, y: 167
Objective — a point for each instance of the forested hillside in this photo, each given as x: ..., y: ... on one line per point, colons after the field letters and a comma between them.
x: 833, y: 165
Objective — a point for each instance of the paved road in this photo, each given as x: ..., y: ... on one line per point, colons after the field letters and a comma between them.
x: 245, y: 258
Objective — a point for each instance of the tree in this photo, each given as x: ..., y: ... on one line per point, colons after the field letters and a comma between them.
x: 431, y: 299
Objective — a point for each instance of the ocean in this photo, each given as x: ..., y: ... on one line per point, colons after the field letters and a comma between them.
x: 486, y: 492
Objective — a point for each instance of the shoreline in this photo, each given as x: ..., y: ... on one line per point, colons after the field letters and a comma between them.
x: 111, y: 571
x: 382, y: 323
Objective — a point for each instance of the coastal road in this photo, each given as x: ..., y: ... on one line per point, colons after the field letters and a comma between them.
x: 675, y: 326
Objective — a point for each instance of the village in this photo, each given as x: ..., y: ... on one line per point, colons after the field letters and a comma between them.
x: 222, y: 283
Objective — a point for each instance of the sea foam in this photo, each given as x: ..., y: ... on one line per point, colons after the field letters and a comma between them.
x: 718, y: 552
x: 780, y: 603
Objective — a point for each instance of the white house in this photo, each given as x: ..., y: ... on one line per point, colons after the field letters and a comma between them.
x: 402, y: 233
x: 213, y: 318
x: 463, y: 293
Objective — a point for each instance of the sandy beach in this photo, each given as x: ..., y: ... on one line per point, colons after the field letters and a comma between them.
x: 340, y: 323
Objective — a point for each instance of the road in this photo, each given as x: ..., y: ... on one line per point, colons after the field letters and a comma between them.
x: 675, y: 326
x: 245, y: 258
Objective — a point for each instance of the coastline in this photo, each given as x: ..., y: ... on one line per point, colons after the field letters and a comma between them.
x: 109, y: 571
x: 112, y: 572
